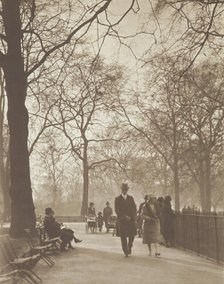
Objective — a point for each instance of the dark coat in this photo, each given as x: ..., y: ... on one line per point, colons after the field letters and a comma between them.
x: 91, y: 211
x: 168, y: 218
x: 53, y: 229
x: 124, y: 208
x: 107, y: 212
x: 140, y: 207
x: 100, y: 221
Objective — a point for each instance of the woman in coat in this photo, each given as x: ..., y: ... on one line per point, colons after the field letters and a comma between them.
x: 151, y: 225
x: 54, y: 229
x: 91, y: 215
x: 168, y: 218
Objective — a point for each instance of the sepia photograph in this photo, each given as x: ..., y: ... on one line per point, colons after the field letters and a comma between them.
x: 112, y: 141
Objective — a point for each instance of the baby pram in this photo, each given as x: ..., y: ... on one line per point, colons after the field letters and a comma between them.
x: 112, y: 224
x: 91, y: 224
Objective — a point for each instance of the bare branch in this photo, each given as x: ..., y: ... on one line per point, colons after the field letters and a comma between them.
x: 70, y: 36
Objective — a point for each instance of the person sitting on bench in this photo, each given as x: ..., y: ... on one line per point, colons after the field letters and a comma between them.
x: 54, y: 229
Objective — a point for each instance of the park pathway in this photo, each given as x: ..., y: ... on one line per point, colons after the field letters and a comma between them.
x: 99, y: 260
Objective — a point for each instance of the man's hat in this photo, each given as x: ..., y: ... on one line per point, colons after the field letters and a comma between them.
x: 124, y: 186
x: 48, y: 211
x: 151, y: 196
x: 168, y: 198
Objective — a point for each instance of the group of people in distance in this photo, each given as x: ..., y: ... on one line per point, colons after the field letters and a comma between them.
x: 101, y: 218
x: 157, y: 221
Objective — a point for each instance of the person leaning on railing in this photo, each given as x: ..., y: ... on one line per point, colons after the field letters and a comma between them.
x: 168, y: 217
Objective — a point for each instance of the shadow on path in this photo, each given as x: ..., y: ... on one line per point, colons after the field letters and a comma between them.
x: 84, y: 266
x: 99, y: 260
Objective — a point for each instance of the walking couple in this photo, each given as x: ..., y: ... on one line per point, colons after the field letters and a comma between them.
x: 126, y: 211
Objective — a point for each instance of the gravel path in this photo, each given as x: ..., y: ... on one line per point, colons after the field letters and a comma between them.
x: 99, y: 259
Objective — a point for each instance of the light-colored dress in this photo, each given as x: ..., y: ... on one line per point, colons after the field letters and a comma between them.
x: 151, y: 225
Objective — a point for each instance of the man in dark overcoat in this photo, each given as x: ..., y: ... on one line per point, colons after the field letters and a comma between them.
x: 126, y: 211
x: 107, y: 213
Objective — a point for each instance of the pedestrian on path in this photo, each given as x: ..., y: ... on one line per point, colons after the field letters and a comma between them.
x: 100, y: 221
x: 139, y: 216
x: 92, y: 218
x: 126, y: 211
x: 168, y: 218
x: 107, y: 213
x: 151, y: 225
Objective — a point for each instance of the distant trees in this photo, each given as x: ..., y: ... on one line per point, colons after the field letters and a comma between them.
x: 160, y: 124
x: 204, y: 115
x: 181, y: 119
x: 26, y: 45
x: 193, y: 35
x: 83, y: 114
x: 32, y: 32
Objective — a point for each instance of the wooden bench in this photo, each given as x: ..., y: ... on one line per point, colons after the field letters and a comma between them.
x: 16, y: 275
x: 36, y: 247
x: 45, y: 240
x: 21, y: 265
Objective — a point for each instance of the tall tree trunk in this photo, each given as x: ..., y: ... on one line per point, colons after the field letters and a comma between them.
x: 176, y: 164
x: 176, y: 183
x: 208, y: 181
x: 54, y: 189
x: 3, y: 188
x: 202, y: 184
x: 5, y: 184
x: 22, y: 207
x: 85, y: 181
x: 165, y: 190
x: 205, y: 182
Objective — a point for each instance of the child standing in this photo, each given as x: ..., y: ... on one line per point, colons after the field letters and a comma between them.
x: 100, y: 221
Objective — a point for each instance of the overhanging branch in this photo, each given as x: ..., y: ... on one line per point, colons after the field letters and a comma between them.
x: 69, y: 37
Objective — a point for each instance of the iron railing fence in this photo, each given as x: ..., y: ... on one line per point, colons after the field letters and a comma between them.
x: 203, y: 234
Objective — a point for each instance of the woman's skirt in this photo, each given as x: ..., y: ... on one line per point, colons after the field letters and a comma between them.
x: 151, y: 232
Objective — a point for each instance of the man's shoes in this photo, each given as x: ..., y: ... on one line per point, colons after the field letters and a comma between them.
x: 157, y: 254
x: 70, y: 246
x: 63, y: 248
x: 77, y: 241
x: 126, y: 254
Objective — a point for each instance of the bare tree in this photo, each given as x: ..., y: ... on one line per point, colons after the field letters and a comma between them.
x: 53, y: 161
x: 24, y: 23
x: 203, y: 112
x: 196, y: 27
x: 4, y: 153
x: 84, y: 114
